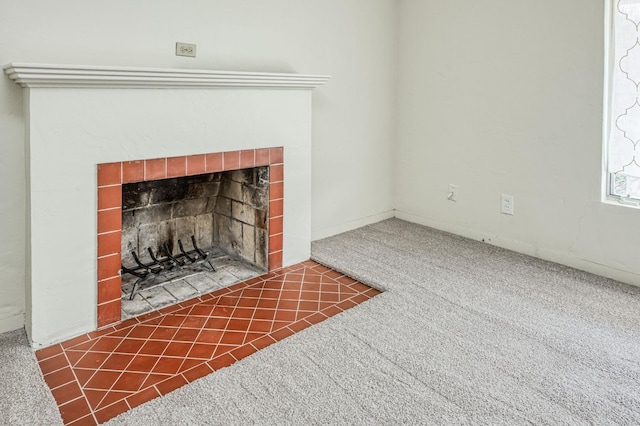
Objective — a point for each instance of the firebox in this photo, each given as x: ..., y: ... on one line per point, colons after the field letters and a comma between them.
x: 175, y: 230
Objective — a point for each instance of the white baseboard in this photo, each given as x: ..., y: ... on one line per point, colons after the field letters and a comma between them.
x: 556, y: 256
x: 11, y: 323
x: 318, y: 234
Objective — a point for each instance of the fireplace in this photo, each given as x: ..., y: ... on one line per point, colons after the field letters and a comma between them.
x: 90, y: 130
x: 230, y: 200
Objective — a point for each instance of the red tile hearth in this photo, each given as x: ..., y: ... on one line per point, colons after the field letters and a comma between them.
x: 97, y: 376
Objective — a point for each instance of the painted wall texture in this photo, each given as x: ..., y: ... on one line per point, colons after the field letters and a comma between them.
x: 495, y: 96
x: 354, y: 41
x: 505, y: 97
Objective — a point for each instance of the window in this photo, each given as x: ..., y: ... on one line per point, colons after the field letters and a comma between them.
x: 622, y: 120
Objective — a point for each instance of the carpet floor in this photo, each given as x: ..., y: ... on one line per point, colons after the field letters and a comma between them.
x: 465, y: 333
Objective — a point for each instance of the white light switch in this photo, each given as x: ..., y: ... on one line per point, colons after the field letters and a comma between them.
x: 506, y: 205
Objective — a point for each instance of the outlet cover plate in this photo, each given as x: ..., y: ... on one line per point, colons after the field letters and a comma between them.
x: 186, y: 49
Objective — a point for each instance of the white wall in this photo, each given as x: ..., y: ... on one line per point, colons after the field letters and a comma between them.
x: 354, y: 41
x: 504, y: 96
x: 73, y: 130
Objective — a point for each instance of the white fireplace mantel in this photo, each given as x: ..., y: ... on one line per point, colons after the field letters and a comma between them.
x: 70, y: 76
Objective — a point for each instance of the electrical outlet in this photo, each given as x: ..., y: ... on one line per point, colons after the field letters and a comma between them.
x: 506, y: 204
x: 186, y: 49
x: 452, y: 194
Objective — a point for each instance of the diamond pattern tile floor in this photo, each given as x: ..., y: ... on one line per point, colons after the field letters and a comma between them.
x: 97, y: 376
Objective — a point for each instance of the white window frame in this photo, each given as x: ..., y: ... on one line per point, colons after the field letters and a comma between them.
x: 607, y: 191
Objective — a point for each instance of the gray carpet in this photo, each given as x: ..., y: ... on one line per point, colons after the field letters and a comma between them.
x: 465, y: 333
x: 25, y: 398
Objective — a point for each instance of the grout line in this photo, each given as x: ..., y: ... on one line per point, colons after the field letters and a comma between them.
x: 91, y: 412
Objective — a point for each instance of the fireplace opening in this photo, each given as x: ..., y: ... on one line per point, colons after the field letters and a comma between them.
x: 191, y: 235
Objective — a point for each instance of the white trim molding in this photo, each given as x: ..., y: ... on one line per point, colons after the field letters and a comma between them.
x: 76, y: 76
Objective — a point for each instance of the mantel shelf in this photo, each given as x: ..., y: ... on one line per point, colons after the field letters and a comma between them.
x: 91, y: 76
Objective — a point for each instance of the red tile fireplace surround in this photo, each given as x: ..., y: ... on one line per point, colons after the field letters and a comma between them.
x: 111, y: 177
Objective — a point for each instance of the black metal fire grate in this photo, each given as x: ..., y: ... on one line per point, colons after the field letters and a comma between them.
x: 158, y: 265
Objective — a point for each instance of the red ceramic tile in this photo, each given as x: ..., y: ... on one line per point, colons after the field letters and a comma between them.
x: 130, y: 381
x: 83, y: 376
x: 331, y: 311
x: 186, y: 335
x: 231, y: 160
x: 132, y: 171
x: 247, y: 158
x: 109, y: 174
x: 320, y: 268
x: 262, y: 157
x: 92, y: 360
x: 283, y: 333
x: 109, y: 220
x: 87, y: 420
x: 109, y: 313
x: 59, y: 378
x: 276, y: 208
x: 243, y: 352
x: 202, y: 351
x: 176, y: 167
x: 67, y: 393
x: 221, y: 362
x: 74, y: 410
x: 276, y: 173
x: 163, y: 333
x: 109, y: 197
x: 198, y: 372
x: 168, y: 365
x: 195, y: 165
x: 142, y: 397
x: 52, y: 364
x: 153, y: 347
x: 111, y: 397
x: 263, y: 342
x: 103, y: 380
x: 111, y: 411
x: 347, y: 304
x: 333, y: 274
x: 109, y: 243
x: 275, y: 260
x: 232, y: 338
x: 171, y: 384
x: 178, y: 349
x: 359, y: 287
x: 275, y: 243
x: 109, y: 289
x: 276, y: 190
x: 299, y: 325
x: 108, y: 267
x: 277, y: 155
x: 49, y: 352
x: 117, y: 362
x: 130, y: 346
x: 275, y: 225
x: 95, y: 397
x: 106, y: 344
x: 316, y: 318
x: 155, y: 169
x: 214, y: 162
